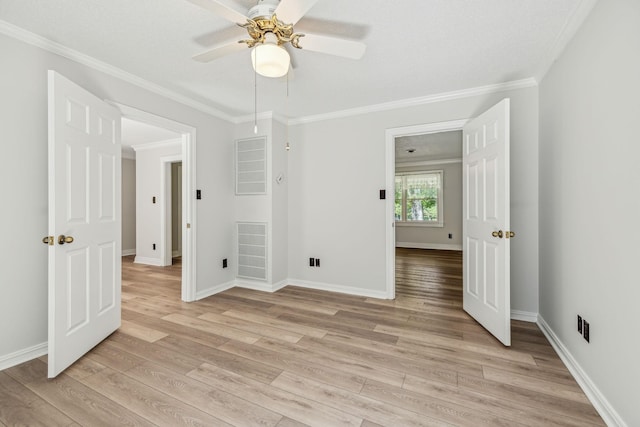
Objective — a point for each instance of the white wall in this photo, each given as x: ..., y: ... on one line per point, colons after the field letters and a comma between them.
x: 271, y: 207
x: 279, y: 204
x: 410, y: 236
x: 128, y: 206
x: 336, y: 168
x: 23, y: 184
x: 149, y: 169
x: 589, y: 182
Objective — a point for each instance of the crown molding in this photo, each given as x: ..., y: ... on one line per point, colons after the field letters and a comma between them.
x: 571, y: 26
x: 412, y: 102
x: 427, y: 163
x: 157, y: 144
x: 28, y: 37
x: 266, y: 115
x: 58, y: 49
x: 126, y: 154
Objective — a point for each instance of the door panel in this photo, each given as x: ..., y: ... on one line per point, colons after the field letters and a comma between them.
x: 84, y: 206
x: 486, y: 282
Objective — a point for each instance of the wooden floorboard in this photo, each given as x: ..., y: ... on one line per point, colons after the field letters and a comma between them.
x: 301, y: 357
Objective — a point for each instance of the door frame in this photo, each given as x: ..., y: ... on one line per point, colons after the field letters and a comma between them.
x: 390, y: 171
x: 189, y: 224
x: 166, y: 219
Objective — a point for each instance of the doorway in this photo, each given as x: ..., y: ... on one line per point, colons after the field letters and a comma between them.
x: 411, y: 146
x: 486, y: 215
x: 183, y: 137
x: 428, y: 217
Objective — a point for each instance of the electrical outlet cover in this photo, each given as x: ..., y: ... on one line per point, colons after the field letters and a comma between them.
x: 585, y: 330
x: 579, y: 323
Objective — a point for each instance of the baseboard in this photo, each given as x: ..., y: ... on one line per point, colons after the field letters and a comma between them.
x: 148, y: 261
x: 23, y: 355
x: 261, y: 286
x: 127, y: 252
x: 602, y: 405
x: 525, y: 316
x: 338, y: 288
x: 176, y: 254
x: 214, y: 290
x: 438, y: 246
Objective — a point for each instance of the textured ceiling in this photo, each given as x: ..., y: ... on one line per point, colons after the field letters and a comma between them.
x: 415, y: 48
x: 429, y: 147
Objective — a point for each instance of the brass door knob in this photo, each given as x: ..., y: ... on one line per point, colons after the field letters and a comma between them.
x: 509, y: 234
x: 47, y: 240
x: 62, y: 239
x: 497, y: 234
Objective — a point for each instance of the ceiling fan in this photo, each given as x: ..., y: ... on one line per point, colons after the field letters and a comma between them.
x: 270, y: 27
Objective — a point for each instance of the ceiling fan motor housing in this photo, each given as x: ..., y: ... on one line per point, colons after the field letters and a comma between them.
x: 264, y: 9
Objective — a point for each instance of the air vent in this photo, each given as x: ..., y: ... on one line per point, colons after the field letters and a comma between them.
x: 252, y: 250
x: 251, y: 166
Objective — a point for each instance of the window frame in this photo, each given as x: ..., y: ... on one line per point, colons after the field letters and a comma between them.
x: 403, y: 222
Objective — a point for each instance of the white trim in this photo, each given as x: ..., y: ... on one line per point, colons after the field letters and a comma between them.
x: 148, y: 261
x: 128, y: 252
x: 571, y: 26
x: 189, y: 212
x: 350, y: 290
x: 427, y: 163
x: 157, y: 144
x: 130, y: 155
x: 437, y: 246
x: 390, y: 173
x: 175, y: 253
x: 412, y: 102
x: 261, y: 286
x: 58, y: 49
x: 266, y: 115
x: 525, y: 316
x: 598, y: 400
x: 214, y: 290
x: 24, y: 355
x: 425, y: 224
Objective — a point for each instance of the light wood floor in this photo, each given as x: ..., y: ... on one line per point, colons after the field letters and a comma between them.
x: 302, y: 357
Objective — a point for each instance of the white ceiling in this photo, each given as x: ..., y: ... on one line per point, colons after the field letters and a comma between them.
x: 415, y: 48
x: 138, y: 133
x: 429, y: 147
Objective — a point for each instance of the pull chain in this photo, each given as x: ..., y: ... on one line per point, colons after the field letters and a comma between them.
x: 255, y: 92
x: 286, y: 107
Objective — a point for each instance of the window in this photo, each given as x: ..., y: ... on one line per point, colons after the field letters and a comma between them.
x: 418, y: 197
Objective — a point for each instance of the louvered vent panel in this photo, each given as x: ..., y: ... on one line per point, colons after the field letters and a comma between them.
x: 252, y: 250
x: 251, y: 166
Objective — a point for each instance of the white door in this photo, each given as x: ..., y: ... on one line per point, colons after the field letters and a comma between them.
x: 485, y: 225
x: 84, y: 221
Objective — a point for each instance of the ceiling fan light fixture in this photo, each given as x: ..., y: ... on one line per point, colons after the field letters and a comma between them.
x: 270, y: 60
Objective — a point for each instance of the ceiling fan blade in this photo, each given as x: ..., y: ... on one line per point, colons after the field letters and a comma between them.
x: 290, y: 11
x: 220, y: 50
x: 333, y: 46
x: 223, y: 9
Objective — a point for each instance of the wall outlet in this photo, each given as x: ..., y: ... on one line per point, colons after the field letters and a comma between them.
x: 154, y: 246
x: 579, y: 323
x: 312, y: 262
x: 451, y: 235
x: 224, y: 263
x: 317, y: 262
x: 585, y: 330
